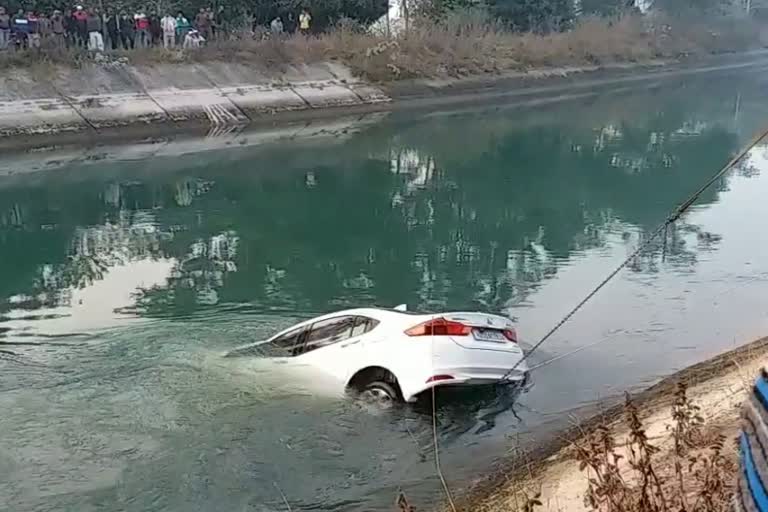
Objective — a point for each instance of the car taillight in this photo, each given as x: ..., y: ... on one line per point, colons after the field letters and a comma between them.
x: 437, y: 378
x: 511, y: 335
x: 439, y: 327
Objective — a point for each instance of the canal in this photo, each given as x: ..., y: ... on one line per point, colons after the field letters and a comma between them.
x: 126, y: 273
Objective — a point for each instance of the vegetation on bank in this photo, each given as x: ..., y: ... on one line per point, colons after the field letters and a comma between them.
x: 632, y: 473
x: 465, y: 44
x: 635, y: 477
x: 670, y: 448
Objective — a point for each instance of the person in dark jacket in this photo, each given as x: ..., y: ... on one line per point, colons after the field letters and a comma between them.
x: 113, y: 29
x: 33, y: 30
x: 94, y: 25
x: 20, y: 29
x: 155, y: 29
x: 5, y: 29
x: 70, y: 27
x: 127, y: 31
x: 80, y: 18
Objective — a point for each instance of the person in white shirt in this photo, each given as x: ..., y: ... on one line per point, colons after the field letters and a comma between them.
x: 193, y: 39
x: 305, y: 19
x: 168, y: 24
x: 276, y: 26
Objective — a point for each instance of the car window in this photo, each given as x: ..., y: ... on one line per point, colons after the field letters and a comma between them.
x: 330, y: 331
x: 363, y: 325
x: 288, y: 344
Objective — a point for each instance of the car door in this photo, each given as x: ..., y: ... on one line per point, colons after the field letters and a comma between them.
x: 327, y: 333
x: 334, y: 344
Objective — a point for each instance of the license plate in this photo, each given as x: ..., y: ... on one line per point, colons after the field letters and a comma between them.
x: 491, y: 335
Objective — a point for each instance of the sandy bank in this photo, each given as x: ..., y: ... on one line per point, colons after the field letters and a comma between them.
x: 718, y: 386
x: 102, y: 101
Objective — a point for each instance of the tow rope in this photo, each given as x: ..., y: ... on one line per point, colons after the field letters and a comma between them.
x: 676, y: 213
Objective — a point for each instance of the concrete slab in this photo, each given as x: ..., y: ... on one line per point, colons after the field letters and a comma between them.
x: 368, y: 93
x: 161, y: 76
x: 31, y: 106
x: 339, y: 71
x: 326, y: 94
x: 260, y: 99
x: 307, y: 73
x: 185, y: 93
x: 34, y: 117
x: 109, y: 110
x: 231, y: 74
x: 108, y: 96
x: 188, y: 104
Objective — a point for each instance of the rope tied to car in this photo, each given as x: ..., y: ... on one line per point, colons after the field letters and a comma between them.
x: 662, y: 228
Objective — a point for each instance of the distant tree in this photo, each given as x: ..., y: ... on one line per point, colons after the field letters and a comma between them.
x: 701, y: 7
x: 604, y: 7
x: 534, y: 15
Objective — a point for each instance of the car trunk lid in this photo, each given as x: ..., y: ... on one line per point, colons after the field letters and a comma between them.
x: 487, y: 331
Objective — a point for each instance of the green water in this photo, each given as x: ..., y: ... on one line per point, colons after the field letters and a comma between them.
x: 125, y: 273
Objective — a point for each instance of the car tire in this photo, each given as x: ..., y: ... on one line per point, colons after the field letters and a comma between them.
x: 381, y: 392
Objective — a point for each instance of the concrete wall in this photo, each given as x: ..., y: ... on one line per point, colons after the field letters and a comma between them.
x: 81, y: 104
x: 107, y: 95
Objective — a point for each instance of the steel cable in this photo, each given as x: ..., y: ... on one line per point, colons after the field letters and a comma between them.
x: 682, y: 208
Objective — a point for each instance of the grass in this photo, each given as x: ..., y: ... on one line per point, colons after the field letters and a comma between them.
x: 616, y: 452
x: 457, y: 47
x: 691, y: 469
x: 698, y: 478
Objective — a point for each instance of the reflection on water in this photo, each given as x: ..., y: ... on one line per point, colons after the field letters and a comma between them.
x: 123, y: 281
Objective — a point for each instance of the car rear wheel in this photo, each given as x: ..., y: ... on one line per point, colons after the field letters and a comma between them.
x: 380, y: 392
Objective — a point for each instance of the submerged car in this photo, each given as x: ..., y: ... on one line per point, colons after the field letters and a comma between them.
x: 397, y: 355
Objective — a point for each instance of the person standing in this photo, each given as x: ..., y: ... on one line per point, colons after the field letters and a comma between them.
x: 5, y: 29
x: 193, y: 39
x: 39, y: 28
x: 291, y: 24
x: 168, y: 23
x: 44, y: 22
x: 142, y: 30
x: 182, y: 27
x: 33, y: 30
x: 70, y: 29
x: 223, y: 20
x: 58, y: 29
x: 276, y: 27
x: 202, y: 24
x: 94, y: 25
x: 213, y: 26
x: 155, y: 29
x: 305, y: 21
x: 127, y: 31
x: 20, y: 27
x: 113, y: 29
x: 81, y: 23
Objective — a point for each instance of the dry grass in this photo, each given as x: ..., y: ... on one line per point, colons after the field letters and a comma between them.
x: 672, y: 422
x: 456, y: 48
x: 698, y: 477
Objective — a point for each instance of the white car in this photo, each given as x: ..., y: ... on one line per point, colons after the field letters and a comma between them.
x: 395, y: 355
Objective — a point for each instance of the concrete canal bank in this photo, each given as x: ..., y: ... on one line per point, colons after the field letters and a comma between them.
x: 116, y: 99
x: 101, y: 96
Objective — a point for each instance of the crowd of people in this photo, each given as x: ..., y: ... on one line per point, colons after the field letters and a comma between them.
x: 96, y: 30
